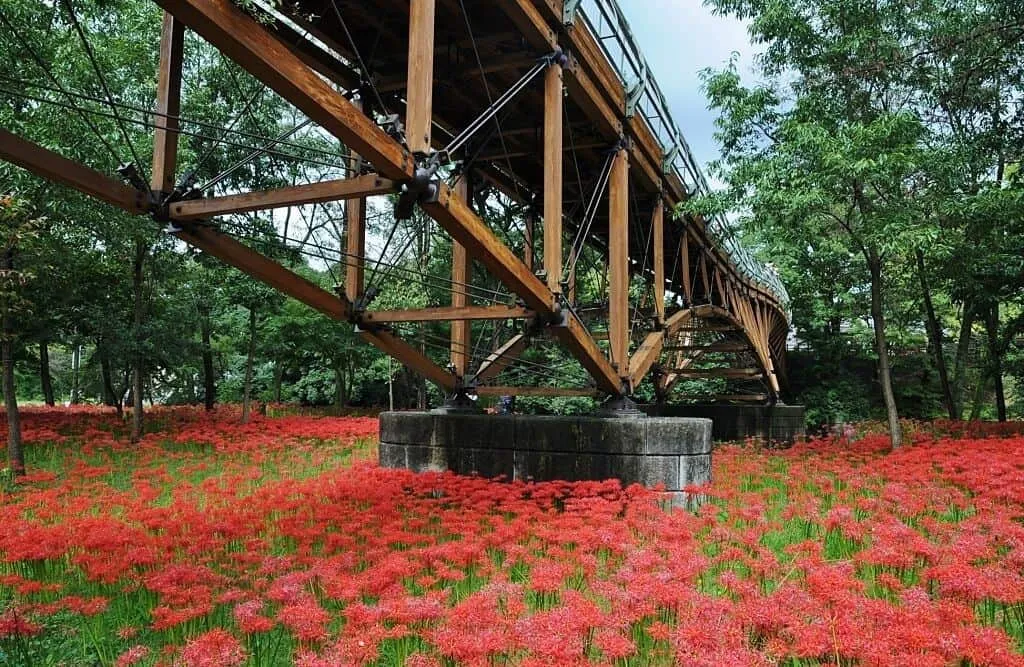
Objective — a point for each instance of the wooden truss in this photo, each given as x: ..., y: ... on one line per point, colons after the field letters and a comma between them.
x: 714, y: 295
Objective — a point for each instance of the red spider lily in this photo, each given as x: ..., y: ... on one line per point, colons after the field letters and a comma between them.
x: 216, y: 648
x: 830, y: 552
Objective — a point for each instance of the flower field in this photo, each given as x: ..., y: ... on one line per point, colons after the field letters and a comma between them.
x: 281, y: 542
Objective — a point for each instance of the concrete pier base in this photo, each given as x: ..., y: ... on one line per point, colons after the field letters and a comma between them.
x: 769, y: 423
x: 672, y: 452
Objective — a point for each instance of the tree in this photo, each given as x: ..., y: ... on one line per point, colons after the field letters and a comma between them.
x: 19, y: 229
x: 884, y: 135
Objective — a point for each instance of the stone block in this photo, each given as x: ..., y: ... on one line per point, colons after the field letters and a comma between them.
x: 393, y: 456
x: 486, y: 462
x: 694, y: 470
x: 678, y: 436
x: 664, y: 470
x: 431, y: 459
x: 461, y: 431
x: 611, y: 436
x: 546, y: 434
x: 406, y: 428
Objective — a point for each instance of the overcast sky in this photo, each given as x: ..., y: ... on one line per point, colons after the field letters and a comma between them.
x: 679, y: 38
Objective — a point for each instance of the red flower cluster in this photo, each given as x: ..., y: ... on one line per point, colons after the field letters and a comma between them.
x: 281, y: 540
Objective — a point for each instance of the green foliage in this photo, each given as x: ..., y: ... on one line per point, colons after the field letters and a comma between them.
x: 881, y: 129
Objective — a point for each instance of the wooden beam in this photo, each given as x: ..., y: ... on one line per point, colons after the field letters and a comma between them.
x: 47, y: 164
x: 296, y: 195
x: 410, y: 357
x: 419, y: 88
x: 570, y: 286
x: 535, y: 391
x: 461, y: 273
x: 530, y: 22
x: 466, y: 227
x: 721, y: 290
x: 704, y: 274
x: 528, y: 240
x: 728, y: 373
x: 168, y: 105
x: 575, y: 337
x: 453, y: 314
x: 674, y: 323
x: 270, y: 60
x: 355, y: 233
x: 738, y: 398
x: 618, y: 261
x: 724, y: 346
x: 264, y: 269
x: 553, y: 177
x: 500, y: 359
x: 249, y: 261
x: 685, y: 268
x: 645, y: 357
x: 658, y: 241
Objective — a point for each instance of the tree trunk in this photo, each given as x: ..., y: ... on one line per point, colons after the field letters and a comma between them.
x: 935, y: 333
x: 995, y: 354
x: 138, y: 379
x: 979, y: 396
x: 106, y: 376
x: 963, y: 351
x: 339, y: 387
x: 278, y: 378
x: 15, y: 454
x: 882, y: 349
x: 44, y: 373
x: 247, y: 395
x: 209, y: 381
x: 76, y: 366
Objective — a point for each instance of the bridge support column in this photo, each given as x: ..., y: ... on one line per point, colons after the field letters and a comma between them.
x: 461, y: 265
x: 168, y: 105
x: 420, y: 82
x: 553, y: 177
x: 767, y: 423
x: 671, y: 452
x: 355, y: 234
x: 618, y: 260
x: 658, y: 243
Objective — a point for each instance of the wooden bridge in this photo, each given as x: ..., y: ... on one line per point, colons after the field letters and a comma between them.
x: 548, y: 105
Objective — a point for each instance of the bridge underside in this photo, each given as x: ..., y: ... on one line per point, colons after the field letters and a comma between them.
x: 449, y: 106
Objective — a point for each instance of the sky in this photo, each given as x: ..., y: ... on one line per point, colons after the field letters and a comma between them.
x: 679, y: 38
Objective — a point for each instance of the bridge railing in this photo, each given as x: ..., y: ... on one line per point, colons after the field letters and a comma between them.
x: 608, y: 24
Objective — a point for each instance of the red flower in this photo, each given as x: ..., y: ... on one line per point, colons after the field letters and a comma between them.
x: 216, y: 648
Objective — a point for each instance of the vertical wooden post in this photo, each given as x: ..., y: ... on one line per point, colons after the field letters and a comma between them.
x: 571, y: 282
x: 618, y: 260
x: 355, y: 230
x: 553, y: 176
x: 528, y: 240
x: 419, y: 87
x: 722, y: 296
x: 704, y: 273
x: 687, y: 281
x: 460, y: 292
x: 168, y: 104
x: 658, y: 241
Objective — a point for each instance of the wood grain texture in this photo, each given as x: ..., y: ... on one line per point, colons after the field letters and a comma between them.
x: 296, y: 195
x: 168, y: 105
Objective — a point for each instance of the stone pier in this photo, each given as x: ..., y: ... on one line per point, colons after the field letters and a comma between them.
x: 669, y: 451
x: 771, y: 423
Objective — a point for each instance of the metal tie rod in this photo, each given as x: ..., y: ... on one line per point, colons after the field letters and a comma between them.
x: 555, y: 57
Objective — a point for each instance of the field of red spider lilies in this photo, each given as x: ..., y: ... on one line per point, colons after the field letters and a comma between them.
x: 280, y: 542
